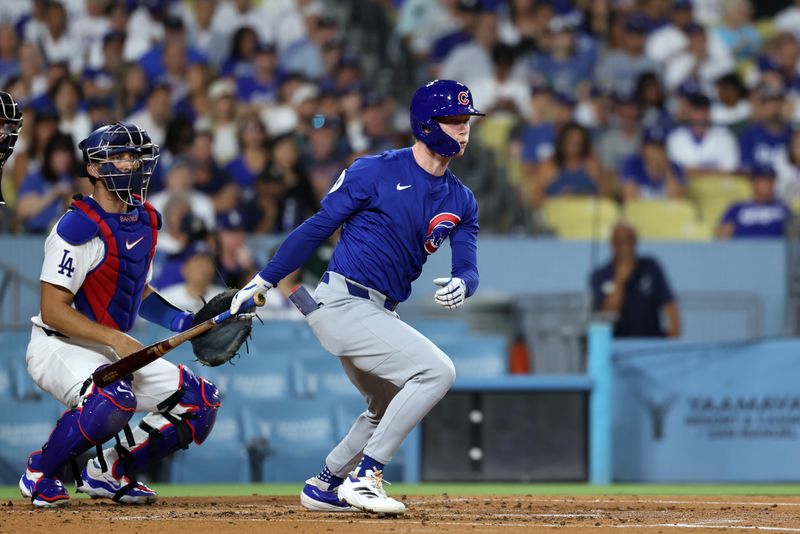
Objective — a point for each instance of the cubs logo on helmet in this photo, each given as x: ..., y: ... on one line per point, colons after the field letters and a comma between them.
x: 463, y: 98
x: 438, y: 229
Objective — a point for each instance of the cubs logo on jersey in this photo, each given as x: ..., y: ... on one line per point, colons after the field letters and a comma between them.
x: 438, y: 229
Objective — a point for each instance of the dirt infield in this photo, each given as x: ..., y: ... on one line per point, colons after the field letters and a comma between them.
x: 426, y: 514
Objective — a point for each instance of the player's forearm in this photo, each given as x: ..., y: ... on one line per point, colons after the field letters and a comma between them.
x: 74, y: 324
x: 298, y: 246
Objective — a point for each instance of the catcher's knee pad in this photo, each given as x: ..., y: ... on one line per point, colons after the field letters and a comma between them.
x: 103, y: 412
x: 187, y: 415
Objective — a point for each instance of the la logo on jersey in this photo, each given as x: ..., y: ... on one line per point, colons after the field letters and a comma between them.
x: 438, y: 229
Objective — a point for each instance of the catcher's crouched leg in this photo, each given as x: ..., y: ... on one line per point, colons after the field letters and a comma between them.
x: 186, y: 416
x: 102, y: 413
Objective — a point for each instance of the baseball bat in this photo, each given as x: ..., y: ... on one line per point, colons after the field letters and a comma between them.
x: 137, y: 360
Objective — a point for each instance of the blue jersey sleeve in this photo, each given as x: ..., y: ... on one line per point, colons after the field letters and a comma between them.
x: 347, y: 196
x: 464, y: 244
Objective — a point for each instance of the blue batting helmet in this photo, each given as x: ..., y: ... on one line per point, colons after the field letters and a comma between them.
x: 103, y: 148
x: 439, y: 98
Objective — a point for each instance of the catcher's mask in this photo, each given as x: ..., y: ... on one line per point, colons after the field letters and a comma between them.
x: 10, y: 125
x: 124, y: 158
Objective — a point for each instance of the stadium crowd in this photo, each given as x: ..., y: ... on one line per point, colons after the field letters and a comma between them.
x: 258, y: 106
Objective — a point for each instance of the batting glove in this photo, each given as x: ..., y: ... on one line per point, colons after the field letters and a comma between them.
x: 452, y: 294
x: 256, y: 285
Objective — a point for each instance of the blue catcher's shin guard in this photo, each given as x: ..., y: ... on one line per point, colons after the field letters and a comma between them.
x: 186, y: 416
x: 101, y: 415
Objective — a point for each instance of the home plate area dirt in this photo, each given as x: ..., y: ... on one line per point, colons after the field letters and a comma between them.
x: 426, y: 514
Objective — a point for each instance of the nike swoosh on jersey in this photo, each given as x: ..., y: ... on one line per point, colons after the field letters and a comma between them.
x: 131, y: 245
x: 401, y: 187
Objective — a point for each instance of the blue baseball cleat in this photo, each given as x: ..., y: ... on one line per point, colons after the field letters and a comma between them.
x: 317, y: 496
x: 45, y: 492
x: 99, y: 484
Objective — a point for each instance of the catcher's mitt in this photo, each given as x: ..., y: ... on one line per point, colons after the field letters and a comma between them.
x: 222, y: 342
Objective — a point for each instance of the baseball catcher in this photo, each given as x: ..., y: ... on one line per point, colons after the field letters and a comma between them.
x: 94, y: 282
x: 10, y: 126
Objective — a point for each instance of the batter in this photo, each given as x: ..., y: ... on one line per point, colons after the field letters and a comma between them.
x: 395, y: 209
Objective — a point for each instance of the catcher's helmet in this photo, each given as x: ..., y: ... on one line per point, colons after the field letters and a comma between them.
x: 10, y: 125
x: 439, y: 98
x: 105, y: 145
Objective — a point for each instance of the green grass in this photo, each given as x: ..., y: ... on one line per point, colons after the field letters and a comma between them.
x: 172, y: 490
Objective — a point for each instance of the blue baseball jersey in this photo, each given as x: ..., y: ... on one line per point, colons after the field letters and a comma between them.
x: 750, y: 219
x: 393, y: 215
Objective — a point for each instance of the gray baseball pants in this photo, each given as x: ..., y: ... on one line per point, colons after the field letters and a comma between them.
x: 400, y: 372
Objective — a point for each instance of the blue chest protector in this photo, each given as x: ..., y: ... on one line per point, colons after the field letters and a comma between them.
x: 112, y: 292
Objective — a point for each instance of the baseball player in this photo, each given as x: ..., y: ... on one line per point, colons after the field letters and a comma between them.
x: 10, y: 126
x: 94, y: 281
x: 395, y: 209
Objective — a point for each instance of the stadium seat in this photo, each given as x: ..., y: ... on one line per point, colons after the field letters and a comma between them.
x: 478, y: 357
x: 493, y: 132
x: 326, y: 378
x: 258, y: 376
x: 23, y: 429
x: 666, y: 219
x: 221, y: 458
x: 714, y: 194
x: 581, y: 217
x: 288, y: 439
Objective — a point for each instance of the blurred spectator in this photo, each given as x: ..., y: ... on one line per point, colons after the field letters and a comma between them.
x: 100, y: 111
x: 652, y: 100
x: 199, y: 273
x: 196, y: 101
x: 29, y: 153
x: 235, y: 259
x: 515, y: 23
x: 260, y: 87
x: 43, y: 195
x: 94, y: 24
x: 573, y: 170
x: 696, y: 61
x: 248, y: 165
x: 31, y: 71
x: 239, y: 62
x: 421, y: 22
x: 619, y: 69
x: 67, y: 97
x: 564, y: 67
x: 593, y: 110
x: 635, y: 290
x: 209, y: 177
x: 650, y: 174
x: 701, y: 148
x: 506, y: 89
x: 534, y: 140
x: 737, y: 30
x: 285, y: 193
x: 788, y: 20
x: 621, y: 139
x: 180, y: 180
x: 671, y: 39
x: 156, y: 114
x: 731, y: 108
x: 144, y: 28
x: 221, y: 119
x: 788, y: 170
x: 370, y: 132
x: 9, y: 53
x: 100, y: 78
x: 133, y: 90
x: 764, y: 142
x: 304, y: 56
x: 472, y: 61
x: 762, y: 216
x: 202, y: 31
x: 56, y: 42
x: 326, y: 153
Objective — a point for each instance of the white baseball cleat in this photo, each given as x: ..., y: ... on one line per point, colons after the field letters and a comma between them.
x: 367, y: 493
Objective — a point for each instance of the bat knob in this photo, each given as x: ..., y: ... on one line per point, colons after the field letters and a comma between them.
x: 260, y: 299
